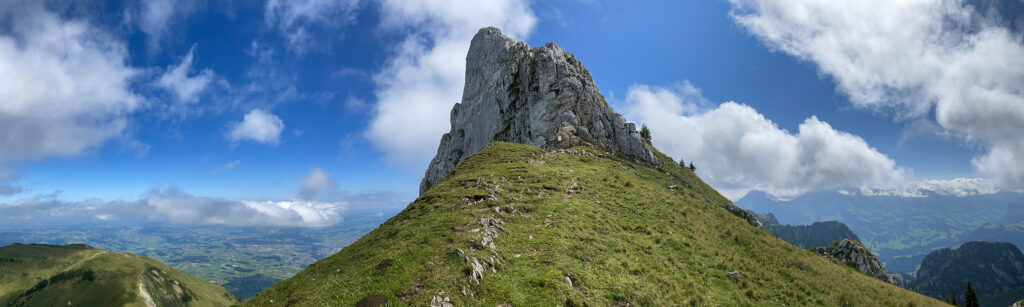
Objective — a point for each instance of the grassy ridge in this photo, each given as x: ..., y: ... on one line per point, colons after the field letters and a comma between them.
x: 78, y: 275
x: 575, y: 228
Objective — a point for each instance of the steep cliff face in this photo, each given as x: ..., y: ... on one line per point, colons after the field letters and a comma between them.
x: 853, y: 254
x: 542, y: 97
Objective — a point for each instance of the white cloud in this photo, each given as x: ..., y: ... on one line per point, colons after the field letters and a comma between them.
x: 737, y: 149
x: 959, y: 186
x: 913, y: 58
x: 316, y: 184
x: 226, y: 166
x: 64, y: 84
x: 295, y: 19
x: 155, y: 17
x: 258, y: 126
x: 231, y: 164
x: 178, y: 207
x: 177, y: 79
x: 424, y: 75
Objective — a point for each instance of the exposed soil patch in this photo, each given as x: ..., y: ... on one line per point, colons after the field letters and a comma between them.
x: 354, y: 258
x: 385, y: 264
x: 372, y: 300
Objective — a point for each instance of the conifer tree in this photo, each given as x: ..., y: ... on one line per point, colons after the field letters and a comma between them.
x: 692, y: 168
x: 645, y: 133
x: 970, y: 298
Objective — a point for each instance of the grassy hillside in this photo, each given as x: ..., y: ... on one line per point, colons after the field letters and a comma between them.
x: 79, y: 275
x: 514, y: 224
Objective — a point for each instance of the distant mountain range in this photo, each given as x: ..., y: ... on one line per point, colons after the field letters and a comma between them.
x: 817, y: 234
x: 996, y: 270
x: 902, y: 230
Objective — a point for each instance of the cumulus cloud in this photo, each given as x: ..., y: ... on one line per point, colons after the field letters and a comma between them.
x: 737, y: 149
x: 295, y: 19
x: 317, y: 183
x: 175, y: 206
x: 924, y: 58
x: 257, y: 126
x: 423, y: 76
x: 64, y: 84
x: 180, y: 80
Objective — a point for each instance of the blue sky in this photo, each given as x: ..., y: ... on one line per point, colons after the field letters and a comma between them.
x: 259, y: 101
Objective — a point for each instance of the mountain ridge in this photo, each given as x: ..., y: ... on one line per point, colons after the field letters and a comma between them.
x: 577, y: 226
x: 995, y: 268
x: 80, y: 275
x: 515, y: 224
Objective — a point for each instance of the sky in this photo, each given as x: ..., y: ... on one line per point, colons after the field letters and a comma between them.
x: 291, y: 113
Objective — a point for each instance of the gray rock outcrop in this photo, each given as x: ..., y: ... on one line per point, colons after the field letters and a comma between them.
x: 538, y: 96
x: 854, y: 254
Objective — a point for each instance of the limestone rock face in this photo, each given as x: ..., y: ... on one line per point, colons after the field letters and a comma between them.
x: 542, y: 97
x: 854, y: 254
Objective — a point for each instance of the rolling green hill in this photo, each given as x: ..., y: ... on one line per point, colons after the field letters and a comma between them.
x: 79, y: 275
x: 514, y: 224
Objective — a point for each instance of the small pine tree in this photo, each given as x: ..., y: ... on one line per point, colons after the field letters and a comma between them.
x: 692, y: 168
x: 645, y: 133
x: 951, y: 298
x: 681, y: 163
x: 970, y: 298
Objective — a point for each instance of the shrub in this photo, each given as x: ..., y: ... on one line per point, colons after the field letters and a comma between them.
x: 645, y: 133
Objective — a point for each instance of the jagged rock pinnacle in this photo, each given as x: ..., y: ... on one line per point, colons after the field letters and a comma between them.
x: 542, y: 97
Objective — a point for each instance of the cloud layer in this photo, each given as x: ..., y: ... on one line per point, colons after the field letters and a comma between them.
x: 257, y: 126
x: 737, y: 149
x: 64, y: 84
x: 173, y: 205
x: 423, y: 77
x: 918, y: 58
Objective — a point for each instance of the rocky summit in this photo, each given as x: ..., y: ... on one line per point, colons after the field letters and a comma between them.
x: 539, y: 96
x: 854, y: 254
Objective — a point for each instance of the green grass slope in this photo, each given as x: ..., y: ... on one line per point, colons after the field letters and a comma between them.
x: 79, y: 275
x: 575, y: 228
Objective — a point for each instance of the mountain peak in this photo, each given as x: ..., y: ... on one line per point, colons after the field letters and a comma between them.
x: 541, y: 97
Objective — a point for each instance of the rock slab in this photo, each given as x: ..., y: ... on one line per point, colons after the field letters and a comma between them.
x: 539, y: 96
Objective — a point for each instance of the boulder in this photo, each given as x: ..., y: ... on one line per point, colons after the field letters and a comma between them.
x: 854, y: 254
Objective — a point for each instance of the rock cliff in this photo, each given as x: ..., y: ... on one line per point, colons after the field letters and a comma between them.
x: 539, y: 96
x: 854, y: 254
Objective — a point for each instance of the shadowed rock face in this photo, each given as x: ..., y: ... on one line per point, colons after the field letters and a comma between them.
x: 542, y: 97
